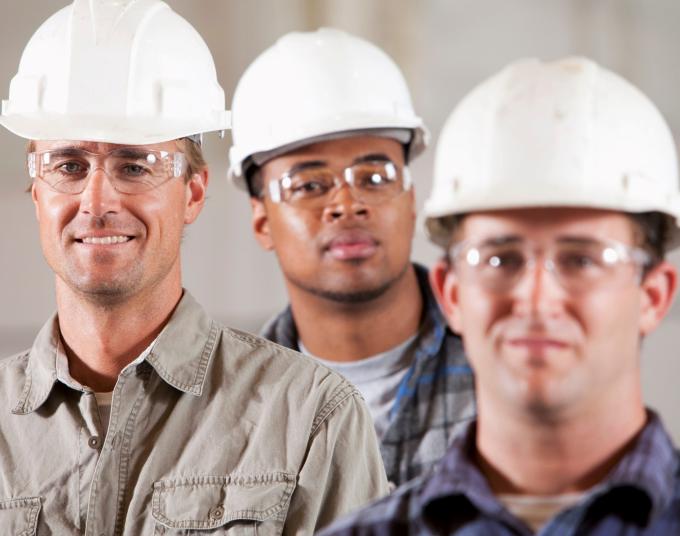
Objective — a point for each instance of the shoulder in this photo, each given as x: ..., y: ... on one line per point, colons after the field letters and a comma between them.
x: 17, y: 360
x: 14, y: 366
x: 394, y: 514
x: 13, y: 375
x: 280, y: 328
x: 297, y: 376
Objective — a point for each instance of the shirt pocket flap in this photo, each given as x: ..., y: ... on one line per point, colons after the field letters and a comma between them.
x: 19, y: 516
x: 208, y: 502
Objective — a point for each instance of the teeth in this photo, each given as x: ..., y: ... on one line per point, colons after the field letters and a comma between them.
x: 105, y: 239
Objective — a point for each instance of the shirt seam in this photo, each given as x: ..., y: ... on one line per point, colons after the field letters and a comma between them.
x: 343, y: 392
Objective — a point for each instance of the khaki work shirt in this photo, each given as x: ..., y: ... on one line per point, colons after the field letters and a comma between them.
x: 215, y: 432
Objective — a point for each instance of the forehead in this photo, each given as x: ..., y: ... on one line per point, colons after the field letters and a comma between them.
x: 337, y: 153
x: 99, y: 147
x: 544, y: 224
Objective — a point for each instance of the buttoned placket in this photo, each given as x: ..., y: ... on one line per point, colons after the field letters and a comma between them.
x: 88, y: 454
x: 108, y: 485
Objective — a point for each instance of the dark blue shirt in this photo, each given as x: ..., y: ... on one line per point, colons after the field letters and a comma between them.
x: 434, y: 400
x: 641, y: 496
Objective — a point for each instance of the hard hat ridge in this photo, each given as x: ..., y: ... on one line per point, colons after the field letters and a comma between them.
x: 119, y: 71
x: 310, y: 86
x: 564, y: 133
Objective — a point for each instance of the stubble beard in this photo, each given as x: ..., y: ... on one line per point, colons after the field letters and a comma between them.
x: 105, y: 292
x: 350, y: 296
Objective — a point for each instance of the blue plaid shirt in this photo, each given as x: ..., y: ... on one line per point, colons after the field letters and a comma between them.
x: 435, y: 398
x: 641, y: 496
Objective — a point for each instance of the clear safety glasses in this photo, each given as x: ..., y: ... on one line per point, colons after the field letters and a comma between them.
x: 579, y: 265
x: 131, y: 170
x: 313, y: 186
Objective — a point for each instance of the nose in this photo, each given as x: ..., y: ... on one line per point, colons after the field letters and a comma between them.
x: 538, y: 292
x: 344, y: 205
x: 99, y: 196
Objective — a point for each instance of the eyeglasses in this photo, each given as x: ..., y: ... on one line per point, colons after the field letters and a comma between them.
x: 131, y: 170
x: 579, y: 265
x: 371, y: 182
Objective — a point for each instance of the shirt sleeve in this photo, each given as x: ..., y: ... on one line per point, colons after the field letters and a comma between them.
x: 343, y: 469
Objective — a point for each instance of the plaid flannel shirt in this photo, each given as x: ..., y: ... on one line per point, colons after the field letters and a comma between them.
x: 435, y: 398
x: 640, y: 497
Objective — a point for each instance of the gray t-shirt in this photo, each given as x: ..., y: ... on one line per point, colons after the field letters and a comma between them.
x: 376, y: 377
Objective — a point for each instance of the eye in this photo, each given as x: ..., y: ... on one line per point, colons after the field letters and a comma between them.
x: 371, y: 177
x: 575, y: 261
x: 505, y: 260
x: 309, y: 187
x: 311, y: 183
x: 133, y: 170
x: 70, y: 168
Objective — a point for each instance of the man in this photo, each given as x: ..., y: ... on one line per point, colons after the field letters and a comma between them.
x: 555, y: 197
x: 323, y: 133
x: 134, y: 412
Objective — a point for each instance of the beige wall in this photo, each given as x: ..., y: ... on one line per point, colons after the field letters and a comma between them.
x: 445, y: 47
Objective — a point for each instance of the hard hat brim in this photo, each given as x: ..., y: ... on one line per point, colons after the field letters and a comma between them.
x: 131, y: 131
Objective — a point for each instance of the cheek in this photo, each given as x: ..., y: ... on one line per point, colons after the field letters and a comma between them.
x: 161, y: 216
x: 612, y: 318
x: 53, y: 216
x: 481, y: 314
x: 292, y: 230
x: 397, y: 223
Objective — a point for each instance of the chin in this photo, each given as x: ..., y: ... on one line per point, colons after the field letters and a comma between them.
x: 103, y: 290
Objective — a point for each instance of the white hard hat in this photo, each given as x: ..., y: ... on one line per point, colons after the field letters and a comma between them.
x: 566, y: 133
x: 118, y: 71
x: 319, y: 85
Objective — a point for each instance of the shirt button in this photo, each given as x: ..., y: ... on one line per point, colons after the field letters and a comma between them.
x: 217, y: 512
x: 94, y: 442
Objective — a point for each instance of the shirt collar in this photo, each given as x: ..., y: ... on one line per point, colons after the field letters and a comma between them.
x: 459, y: 476
x: 281, y: 329
x: 41, y: 368
x: 180, y: 355
x: 651, y: 466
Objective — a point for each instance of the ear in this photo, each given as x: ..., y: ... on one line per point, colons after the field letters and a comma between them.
x: 444, y: 285
x: 196, y: 190
x: 412, y: 197
x: 34, y: 198
x: 658, y: 289
x: 260, y: 223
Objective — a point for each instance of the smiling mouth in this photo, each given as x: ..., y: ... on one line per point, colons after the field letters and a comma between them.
x: 104, y: 240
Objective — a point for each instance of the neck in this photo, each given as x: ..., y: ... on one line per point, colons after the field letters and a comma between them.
x: 100, y: 339
x: 522, y: 453
x: 347, y: 332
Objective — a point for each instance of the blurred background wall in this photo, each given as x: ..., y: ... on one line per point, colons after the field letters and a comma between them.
x: 445, y: 47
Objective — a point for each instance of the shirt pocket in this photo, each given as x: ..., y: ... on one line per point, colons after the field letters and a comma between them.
x: 235, y: 505
x: 19, y: 517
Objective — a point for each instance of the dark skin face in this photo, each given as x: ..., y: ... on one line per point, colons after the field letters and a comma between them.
x: 346, y: 251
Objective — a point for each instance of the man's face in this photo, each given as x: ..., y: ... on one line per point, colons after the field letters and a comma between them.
x: 345, y: 250
x: 108, y: 245
x: 539, y: 346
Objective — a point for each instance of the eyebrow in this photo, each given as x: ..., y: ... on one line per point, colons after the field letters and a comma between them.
x: 373, y: 157
x: 68, y: 151
x: 307, y: 165
x: 511, y: 239
x: 578, y: 240
x: 503, y: 240
x: 131, y: 152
